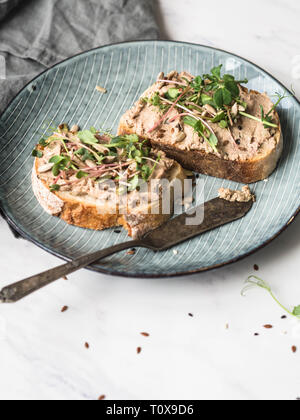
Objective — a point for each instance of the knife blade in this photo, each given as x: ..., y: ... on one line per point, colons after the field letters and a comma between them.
x: 216, y: 213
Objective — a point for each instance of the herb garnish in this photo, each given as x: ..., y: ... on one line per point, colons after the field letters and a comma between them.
x: 254, y: 281
x: 267, y: 119
x: 125, y: 159
x: 201, y: 130
x: 54, y: 187
x: 88, y: 136
x: 211, y: 98
x: 61, y: 163
x: 37, y: 153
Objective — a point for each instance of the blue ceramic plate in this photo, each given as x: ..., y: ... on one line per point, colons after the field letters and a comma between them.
x: 66, y: 93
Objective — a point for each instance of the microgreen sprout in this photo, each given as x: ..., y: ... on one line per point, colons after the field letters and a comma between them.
x: 254, y: 281
x: 267, y: 119
x: 211, y: 98
x: 91, y: 154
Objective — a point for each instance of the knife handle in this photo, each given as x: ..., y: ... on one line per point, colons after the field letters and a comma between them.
x: 23, y: 288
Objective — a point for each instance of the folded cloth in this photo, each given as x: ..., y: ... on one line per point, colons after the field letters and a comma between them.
x: 36, y: 34
x: 6, y: 6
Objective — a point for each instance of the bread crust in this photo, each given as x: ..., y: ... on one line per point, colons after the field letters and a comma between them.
x: 79, y: 213
x: 243, y: 171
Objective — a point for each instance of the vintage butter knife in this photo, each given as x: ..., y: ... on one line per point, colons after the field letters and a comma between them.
x: 216, y: 212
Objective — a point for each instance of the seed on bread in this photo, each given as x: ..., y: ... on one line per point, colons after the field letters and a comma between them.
x: 218, y: 117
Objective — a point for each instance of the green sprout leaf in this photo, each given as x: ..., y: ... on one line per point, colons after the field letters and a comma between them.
x: 134, y: 183
x: 43, y: 142
x: 85, y: 154
x: 219, y: 117
x: 223, y: 124
x: 222, y: 97
x: 228, y: 78
x: 207, y: 100
x: 216, y: 72
x: 296, y: 311
x: 54, y: 188
x: 81, y: 174
x: 197, y: 84
x: 87, y: 137
x: 37, y: 153
x: 213, y: 141
x: 172, y: 94
x: 254, y: 281
x: 190, y: 121
x: 56, y: 159
x: 199, y: 128
x: 60, y: 163
x: 233, y: 88
x: 133, y: 138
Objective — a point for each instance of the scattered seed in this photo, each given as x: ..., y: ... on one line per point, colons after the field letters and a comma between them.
x: 284, y: 317
x: 227, y: 326
x: 117, y: 231
x: 256, y: 267
x: 131, y: 252
x: 294, y: 349
x: 191, y: 315
x: 64, y: 308
x: 74, y: 129
x: 101, y: 398
x: 144, y: 334
x: 101, y: 89
x: 139, y: 350
x: 65, y: 278
x: 175, y: 252
x: 268, y: 326
x: 256, y: 334
x: 87, y: 346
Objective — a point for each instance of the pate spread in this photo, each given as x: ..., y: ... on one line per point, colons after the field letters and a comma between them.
x: 243, y: 196
x: 246, y: 139
x: 90, y: 191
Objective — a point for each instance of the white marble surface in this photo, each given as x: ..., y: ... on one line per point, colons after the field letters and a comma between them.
x: 42, y: 350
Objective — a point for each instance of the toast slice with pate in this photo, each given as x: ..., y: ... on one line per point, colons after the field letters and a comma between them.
x: 97, y: 181
x: 210, y: 124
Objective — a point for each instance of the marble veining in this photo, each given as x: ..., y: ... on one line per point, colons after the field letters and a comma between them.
x: 212, y: 355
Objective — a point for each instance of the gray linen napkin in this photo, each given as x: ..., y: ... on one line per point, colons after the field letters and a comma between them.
x: 36, y: 34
